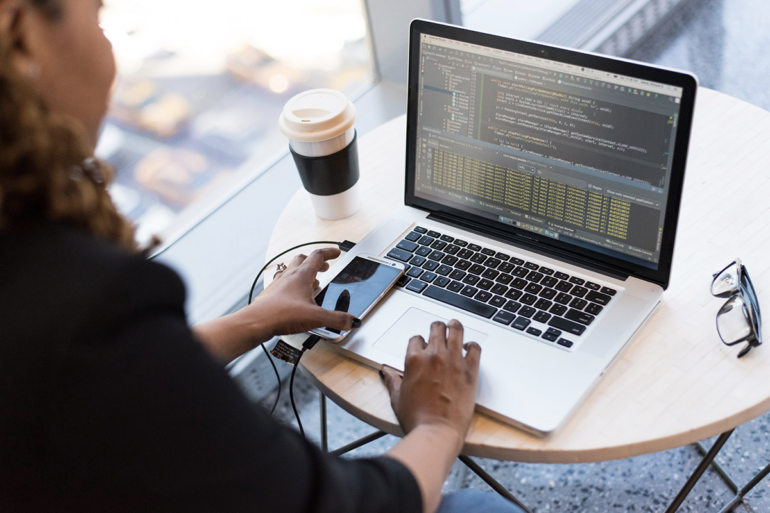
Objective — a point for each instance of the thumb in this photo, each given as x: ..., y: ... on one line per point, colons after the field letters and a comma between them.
x: 393, y: 382
x: 339, y: 320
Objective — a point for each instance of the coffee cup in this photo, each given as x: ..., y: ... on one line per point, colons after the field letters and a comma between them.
x: 322, y: 139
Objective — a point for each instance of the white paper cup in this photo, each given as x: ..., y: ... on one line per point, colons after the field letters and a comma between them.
x: 322, y: 138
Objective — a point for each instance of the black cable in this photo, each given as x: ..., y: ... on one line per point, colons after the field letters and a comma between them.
x: 291, y: 393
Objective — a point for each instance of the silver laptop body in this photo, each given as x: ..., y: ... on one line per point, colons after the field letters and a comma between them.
x: 556, y: 176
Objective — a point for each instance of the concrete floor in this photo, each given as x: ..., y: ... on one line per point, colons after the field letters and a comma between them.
x: 719, y: 40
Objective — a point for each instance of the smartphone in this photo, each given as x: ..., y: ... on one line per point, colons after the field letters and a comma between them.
x: 357, y: 289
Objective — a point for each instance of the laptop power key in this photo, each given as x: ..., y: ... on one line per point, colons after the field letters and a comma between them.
x: 459, y: 301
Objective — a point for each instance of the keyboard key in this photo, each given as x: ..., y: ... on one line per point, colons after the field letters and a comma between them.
x: 563, y: 286
x: 407, y: 246
x: 430, y: 265
x: 578, y: 316
x: 564, y: 342
x: 423, y: 251
x: 492, y: 263
x: 476, y: 269
x: 420, y: 229
x: 527, y: 311
x: 609, y: 291
x: 566, y: 325
x: 551, y: 334
x: 436, y: 255
x: 457, y: 274
x: 428, y: 277
x: 443, y: 270
x: 412, y: 236
x: 504, y: 317
x: 414, y: 272
x: 497, y: 301
x: 447, y: 238
x: 561, y: 276
x: 505, y: 279
x: 558, y: 309
x: 543, y: 304
x: 439, y: 245
x: 598, y: 297
x: 461, y: 243
x: 578, y: 291
x: 503, y: 257
x: 452, y: 249
x: 465, y: 253
x: 592, y: 286
x: 434, y: 234
x: 417, y: 260
x: 488, y: 252
x: 471, y: 279
x: 455, y: 286
x: 449, y: 260
x: 403, y: 280
x: 399, y: 254
x: 469, y: 291
x: 519, y: 283
x: 563, y: 298
x: 474, y: 247
x: 485, y: 284
x: 463, y: 264
x: 547, y: 293
x: 542, y: 317
x: 549, y: 281
x: 478, y: 258
x: 416, y: 286
x: 576, y: 280
x: 578, y: 304
x: 531, y: 265
x: 483, y: 296
x: 514, y: 294
x: 512, y: 306
x: 426, y: 241
x: 520, y: 323
x: 533, y: 288
x: 546, y: 271
x: 442, y: 281
x: 594, y: 309
x: 506, y: 267
x: 501, y: 289
x: 517, y: 261
x: 490, y: 274
x: 534, y: 331
x: 528, y: 299
x: 461, y: 302
x: 534, y: 277
x: 521, y: 272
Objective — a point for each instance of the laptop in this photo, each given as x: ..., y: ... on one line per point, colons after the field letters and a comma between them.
x: 543, y: 188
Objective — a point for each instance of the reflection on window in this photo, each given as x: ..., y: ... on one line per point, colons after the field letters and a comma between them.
x: 201, y: 84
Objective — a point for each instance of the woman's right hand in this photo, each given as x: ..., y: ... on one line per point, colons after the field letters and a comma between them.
x: 439, y: 384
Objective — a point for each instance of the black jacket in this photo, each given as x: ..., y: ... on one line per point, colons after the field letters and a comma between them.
x: 108, y: 404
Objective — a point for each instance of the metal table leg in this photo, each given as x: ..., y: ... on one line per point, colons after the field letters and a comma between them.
x: 324, y: 434
x: 491, y: 481
x: 746, y: 489
x: 688, y: 486
x: 718, y: 468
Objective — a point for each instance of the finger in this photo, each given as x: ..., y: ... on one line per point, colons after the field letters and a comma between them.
x: 437, y: 340
x: 296, y: 261
x: 393, y: 382
x: 318, y: 258
x: 324, y: 267
x: 455, y: 337
x: 337, y: 320
x: 416, y: 346
x: 473, y: 356
x: 316, y: 284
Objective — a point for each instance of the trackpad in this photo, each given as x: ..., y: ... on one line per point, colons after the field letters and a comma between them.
x: 415, y: 322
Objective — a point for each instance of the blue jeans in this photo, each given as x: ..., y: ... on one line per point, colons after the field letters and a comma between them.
x: 467, y: 500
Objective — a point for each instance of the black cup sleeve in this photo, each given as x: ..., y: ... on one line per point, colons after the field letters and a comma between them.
x: 330, y: 174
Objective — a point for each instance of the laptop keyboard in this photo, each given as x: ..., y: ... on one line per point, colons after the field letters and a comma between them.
x: 524, y: 296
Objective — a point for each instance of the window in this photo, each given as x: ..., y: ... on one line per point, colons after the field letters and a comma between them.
x: 200, y: 87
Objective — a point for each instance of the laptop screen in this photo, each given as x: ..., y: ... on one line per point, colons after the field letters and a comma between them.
x: 568, y: 152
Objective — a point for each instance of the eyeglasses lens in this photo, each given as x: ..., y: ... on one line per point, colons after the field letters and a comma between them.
x: 727, y: 282
x: 733, y: 321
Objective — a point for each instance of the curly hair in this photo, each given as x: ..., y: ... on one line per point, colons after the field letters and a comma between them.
x: 46, y: 165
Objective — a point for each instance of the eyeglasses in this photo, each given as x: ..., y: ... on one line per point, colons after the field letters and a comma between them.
x: 739, y: 319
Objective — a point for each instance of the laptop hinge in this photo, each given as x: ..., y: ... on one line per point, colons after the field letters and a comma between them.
x: 528, y: 244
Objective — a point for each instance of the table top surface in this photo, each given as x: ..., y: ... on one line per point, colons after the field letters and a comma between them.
x: 675, y: 383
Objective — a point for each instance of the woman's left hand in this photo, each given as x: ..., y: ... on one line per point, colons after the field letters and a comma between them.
x: 285, y: 307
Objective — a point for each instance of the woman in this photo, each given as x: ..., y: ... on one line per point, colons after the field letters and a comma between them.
x: 108, y: 401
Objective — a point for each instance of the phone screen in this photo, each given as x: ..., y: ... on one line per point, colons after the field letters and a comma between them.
x: 357, y: 286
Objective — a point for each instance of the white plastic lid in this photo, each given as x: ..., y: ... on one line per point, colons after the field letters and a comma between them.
x: 317, y: 115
